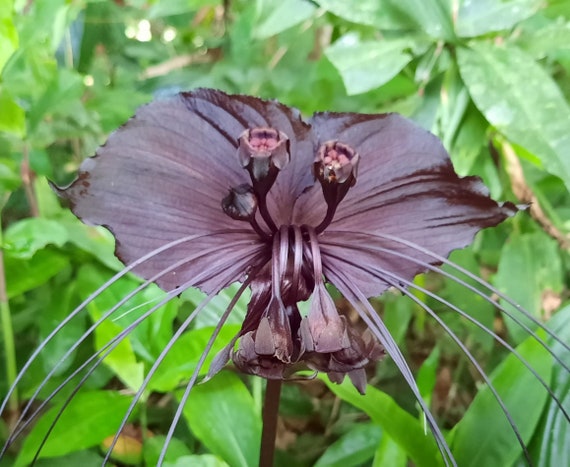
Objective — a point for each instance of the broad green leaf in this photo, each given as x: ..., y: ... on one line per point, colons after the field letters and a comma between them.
x: 477, y: 17
x: 284, y: 16
x: 161, y: 9
x: 550, y: 40
x: 364, y: 66
x: 87, y: 420
x: 389, y: 454
x: 8, y: 34
x: 153, y: 447
x: 181, y: 360
x: 12, y: 118
x: 23, y: 275
x: 499, y: 80
x: 400, y: 425
x: 484, y: 436
x: 222, y: 414
x: 433, y: 17
x: 369, y: 12
x: 529, y: 266
x: 9, y: 177
x: 24, y: 238
x: 554, y: 430
x: 60, y: 95
x: 211, y: 314
x: 353, y: 448
x: 122, y: 359
x: 427, y: 375
x: 86, y: 458
x: 204, y: 460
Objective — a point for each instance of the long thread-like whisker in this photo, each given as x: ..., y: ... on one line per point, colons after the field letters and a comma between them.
x: 94, y: 295
x: 82, y: 338
x: 357, y: 299
x: 474, y: 277
x: 481, y: 326
x: 466, y: 351
x: 235, y: 266
x: 199, y: 365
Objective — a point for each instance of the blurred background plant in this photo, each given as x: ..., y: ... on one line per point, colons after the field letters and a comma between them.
x: 489, y: 77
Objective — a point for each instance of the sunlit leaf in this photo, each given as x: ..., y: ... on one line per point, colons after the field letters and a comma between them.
x: 477, y: 17
x: 284, y: 16
x: 401, y: 426
x: 8, y: 33
x: 225, y: 398
x: 27, y: 274
x: 180, y: 362
x: 499, y: 79
x: 532, y: 260
x: 24, y: 238
x: 12, y: 115
x: 484, y: 436
x: 89, y: 418
x: 367, y: 65
x: 554, y: 430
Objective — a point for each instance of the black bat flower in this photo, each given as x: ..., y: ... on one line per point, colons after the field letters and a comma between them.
x: 205, y: 189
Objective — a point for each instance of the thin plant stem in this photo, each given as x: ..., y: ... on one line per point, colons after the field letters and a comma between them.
x: 7, y: 333
x: 270, y: 413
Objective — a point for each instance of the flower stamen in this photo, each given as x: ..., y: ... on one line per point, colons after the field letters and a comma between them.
x: 263, y: 152
x: 335, y: 168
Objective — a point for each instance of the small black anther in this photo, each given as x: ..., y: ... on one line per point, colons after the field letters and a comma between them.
x: 240, y: 203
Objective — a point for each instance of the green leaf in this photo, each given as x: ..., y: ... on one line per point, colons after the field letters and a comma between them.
x: 433, y: 18
x: 24, y: 275
x: 8, y: 34
x: 364, y: 66
x: 400, y: 425
x: 353, y: 448
x: 12, y: 118
x: 222, y: 414
x: 284, y: 16
x: 122, y: 359
x: 87, y: 420
x: 389, y: 454
x: 532, y: 260
x: 477, y: 17
x: 550, y: 40
x: 24, y: 238
x: 211, y: 315
x: 153, y: 447
x: 9, y: 177
x: 180, y: 362
x: 499, y: 80
x: 204, y: 460
x: 553, y: 432
x: 484, y: 436
x: 369, y: 12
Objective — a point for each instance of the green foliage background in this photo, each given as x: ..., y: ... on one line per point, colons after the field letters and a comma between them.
x: 489, y: 77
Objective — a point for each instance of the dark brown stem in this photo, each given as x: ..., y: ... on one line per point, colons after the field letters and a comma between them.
x: 270, y: 414
x: 28, y: 176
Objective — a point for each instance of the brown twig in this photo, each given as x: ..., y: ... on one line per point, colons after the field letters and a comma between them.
x: 178, y: 62
x: 525, y: 194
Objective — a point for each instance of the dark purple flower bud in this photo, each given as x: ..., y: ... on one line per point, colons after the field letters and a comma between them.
x: 240, y: 203
x: 323, y: 330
